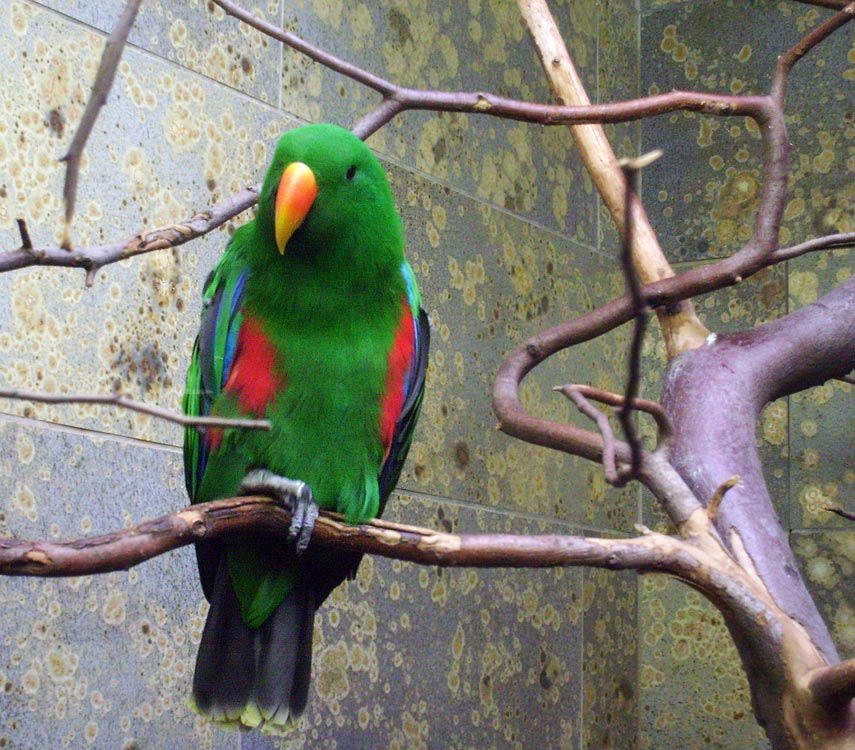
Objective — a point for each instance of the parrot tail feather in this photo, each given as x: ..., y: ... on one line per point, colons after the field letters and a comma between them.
x: 284, y: 662
x: 246, y: 677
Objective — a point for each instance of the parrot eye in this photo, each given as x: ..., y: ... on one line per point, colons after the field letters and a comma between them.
x: 351, y: 172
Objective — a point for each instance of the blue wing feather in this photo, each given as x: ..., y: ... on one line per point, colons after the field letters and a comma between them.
x: 213, y: 354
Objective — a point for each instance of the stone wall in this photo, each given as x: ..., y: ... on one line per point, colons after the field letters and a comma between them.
x: 506, y: 236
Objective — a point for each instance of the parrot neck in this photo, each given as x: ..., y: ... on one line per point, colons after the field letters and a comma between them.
x: 316, y: 287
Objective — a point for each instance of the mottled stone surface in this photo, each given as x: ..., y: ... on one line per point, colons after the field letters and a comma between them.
x: 504, y: 233
x: 703, y: 205
x: 693, y: 691
x: 507, y: 237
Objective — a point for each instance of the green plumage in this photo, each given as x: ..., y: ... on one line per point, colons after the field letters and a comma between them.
x: 306, y: 339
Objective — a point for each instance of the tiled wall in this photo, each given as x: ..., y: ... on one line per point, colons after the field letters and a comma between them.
x: 506, y: 236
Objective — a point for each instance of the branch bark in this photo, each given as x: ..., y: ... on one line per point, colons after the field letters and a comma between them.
x: 124, y: 549
x: 730, y: 381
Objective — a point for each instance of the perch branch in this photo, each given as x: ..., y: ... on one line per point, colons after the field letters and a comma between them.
x: 704, y: 567
x: 113, y: 48
x: 138, y: 406
x: 651, y: 553
x: 128, y: 547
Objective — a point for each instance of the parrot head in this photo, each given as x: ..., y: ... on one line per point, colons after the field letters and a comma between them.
x: 326, y: 189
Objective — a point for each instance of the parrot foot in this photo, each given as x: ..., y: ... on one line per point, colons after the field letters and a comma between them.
x: 295, y: 495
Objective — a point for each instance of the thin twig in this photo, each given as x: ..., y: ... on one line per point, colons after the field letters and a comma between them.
x: 138, y: 406
x: 829, y: 242
x: 849, y: 516
x: 93, y: 258
x: 718, y: 496
x: 113, y: 49
x: 831, y: 4
x: 26, y: 241
x: 631, y: 170
x: 805, y: 45
x: 653, y: 408
x: 576, y: 395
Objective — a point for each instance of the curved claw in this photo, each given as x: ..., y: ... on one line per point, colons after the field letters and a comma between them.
x: 296, y: 495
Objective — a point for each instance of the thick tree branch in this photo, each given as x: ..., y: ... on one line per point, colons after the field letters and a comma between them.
x: 834, y: 687
x: 730, y: 381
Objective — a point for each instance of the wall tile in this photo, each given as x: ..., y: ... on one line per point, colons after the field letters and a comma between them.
x: 610, y: 660
x: 198, y: 36
x: 693, y: 691
x: 705, y: 207
x: 827, y: 558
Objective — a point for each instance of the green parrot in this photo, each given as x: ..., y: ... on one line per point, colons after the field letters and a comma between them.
x: 311, y: 320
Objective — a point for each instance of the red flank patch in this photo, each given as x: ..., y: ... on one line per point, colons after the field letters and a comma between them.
x: 400, y: 357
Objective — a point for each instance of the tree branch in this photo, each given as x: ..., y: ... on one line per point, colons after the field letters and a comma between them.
x: 138, y: 406
x: 833, y: 687
x: 113, y: 49
x: 806, y: 44
x: 577, y: 394
x: 129, y: 547
x: 730, y: 381
x: 120, y: 550
x: 829, y: 242
x: 93, y: 258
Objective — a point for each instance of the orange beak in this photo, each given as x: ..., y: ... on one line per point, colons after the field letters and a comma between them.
x: 294, y: 197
